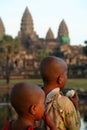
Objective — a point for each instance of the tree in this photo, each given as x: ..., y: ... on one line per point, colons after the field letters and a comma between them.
x: 8, y: 48
x: 16, y: 46
x: 85, y: 48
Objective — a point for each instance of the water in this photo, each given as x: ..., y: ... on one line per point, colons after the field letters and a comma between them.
x: 83, y: 125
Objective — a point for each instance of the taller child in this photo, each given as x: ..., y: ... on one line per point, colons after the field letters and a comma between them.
x: 62, y: 109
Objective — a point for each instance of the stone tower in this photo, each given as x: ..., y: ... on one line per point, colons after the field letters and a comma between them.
x: 27, y: 29
x: 2, y: 29
x: 63, y: 35
x: 49, y: 35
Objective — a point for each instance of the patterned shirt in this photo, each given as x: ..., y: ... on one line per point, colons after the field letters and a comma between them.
x: 62, y: 110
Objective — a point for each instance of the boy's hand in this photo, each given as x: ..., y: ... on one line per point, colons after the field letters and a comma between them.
x: 75, y: 100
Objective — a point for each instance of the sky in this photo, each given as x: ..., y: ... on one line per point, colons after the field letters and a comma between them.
x: 45, y: 14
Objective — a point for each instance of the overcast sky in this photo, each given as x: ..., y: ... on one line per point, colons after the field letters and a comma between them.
x: 45, y: 14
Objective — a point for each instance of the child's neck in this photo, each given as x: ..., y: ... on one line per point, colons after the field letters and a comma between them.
x: 26, y: 121
x: 50, y: 87
x: 22, y: 123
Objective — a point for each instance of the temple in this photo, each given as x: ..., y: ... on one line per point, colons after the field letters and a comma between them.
x: 34, y: 48
x: 28, y: 33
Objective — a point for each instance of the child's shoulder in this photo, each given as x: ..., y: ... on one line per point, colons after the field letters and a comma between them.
x: 65, y: 102
x: 64, y: 99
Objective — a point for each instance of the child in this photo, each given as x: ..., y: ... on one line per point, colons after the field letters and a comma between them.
x: 63, y: 110
x: 28, y: 102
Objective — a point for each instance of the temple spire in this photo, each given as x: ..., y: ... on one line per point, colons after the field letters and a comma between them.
x: 63, y: 35
x: 27, y: 22
x: 2, y: 29
x: 49, y: 34
x: 28, y: 35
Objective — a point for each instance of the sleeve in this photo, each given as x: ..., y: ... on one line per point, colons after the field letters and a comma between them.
x: 72, y: 116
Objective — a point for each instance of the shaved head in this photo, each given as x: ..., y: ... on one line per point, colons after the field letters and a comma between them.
x: 51, y: 67
x: 24, y: 95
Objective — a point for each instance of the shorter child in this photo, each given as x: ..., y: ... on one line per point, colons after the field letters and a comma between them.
x: 28, y: 101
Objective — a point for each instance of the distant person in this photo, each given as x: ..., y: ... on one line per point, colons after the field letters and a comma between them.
x: 28, y: 102
x: 64, y: 110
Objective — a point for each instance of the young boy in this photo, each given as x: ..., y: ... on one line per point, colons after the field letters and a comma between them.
x: 63, y: 110
x: 28, y: 102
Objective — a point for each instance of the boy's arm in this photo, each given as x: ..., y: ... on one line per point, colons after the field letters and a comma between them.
x: 72, y: 116
x: 49, y: 122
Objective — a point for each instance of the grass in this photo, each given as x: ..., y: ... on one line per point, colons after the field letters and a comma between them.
x: 71, y: 83
x: 36, y: 81
x: 77, y: 83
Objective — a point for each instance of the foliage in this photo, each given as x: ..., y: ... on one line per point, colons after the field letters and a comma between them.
x: 16, y: 45
x: 6, y: 44
x: 85, y: 42
x: 85, y: 48
x: 8, y: 47
x: 41, y: 53
x: 7, y: 38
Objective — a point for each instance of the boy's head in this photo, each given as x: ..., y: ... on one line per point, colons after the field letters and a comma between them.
x: 28, y: 100
x: 53, y: 69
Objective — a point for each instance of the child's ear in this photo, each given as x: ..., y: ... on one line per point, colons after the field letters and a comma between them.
x: 60, y: 79
x: 32, y: 109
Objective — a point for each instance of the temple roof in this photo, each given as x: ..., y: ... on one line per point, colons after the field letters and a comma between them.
x: 63, y: 35
x: 49, y: 34
x: 27, y: 22
x: 63, y: 30
x: 27, y: 31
